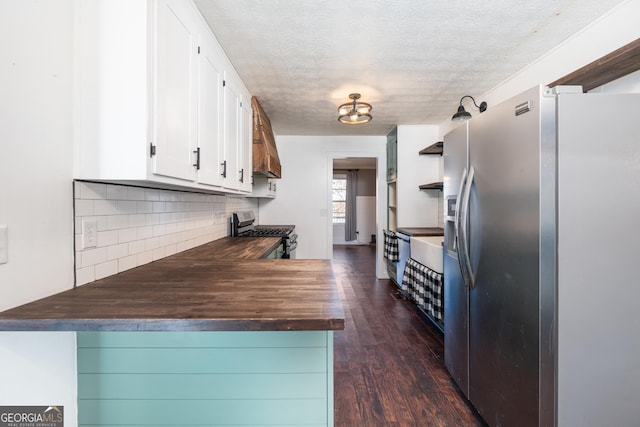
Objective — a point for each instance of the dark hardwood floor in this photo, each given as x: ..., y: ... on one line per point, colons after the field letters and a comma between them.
x: 389, y: 360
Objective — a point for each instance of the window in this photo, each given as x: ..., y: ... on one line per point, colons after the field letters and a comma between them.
x: 339, y: 199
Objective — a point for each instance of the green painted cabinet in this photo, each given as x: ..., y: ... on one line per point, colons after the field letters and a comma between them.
x: 205, y: 378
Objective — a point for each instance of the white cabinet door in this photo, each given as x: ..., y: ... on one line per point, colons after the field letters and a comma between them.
x: 176, y: 83
x: 245, y: 148
x: 210, y: 112
x: 232, y: 132
x: 150, y: 92
x: 264, y: 187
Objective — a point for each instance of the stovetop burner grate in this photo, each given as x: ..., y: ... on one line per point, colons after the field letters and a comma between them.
x: 260, y: 232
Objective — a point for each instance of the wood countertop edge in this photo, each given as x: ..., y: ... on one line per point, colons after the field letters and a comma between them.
x: 79, y: 319
x: 421, y: 231
x: 170, y: 325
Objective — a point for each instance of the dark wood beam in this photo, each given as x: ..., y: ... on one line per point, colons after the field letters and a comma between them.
x: 617, y: 64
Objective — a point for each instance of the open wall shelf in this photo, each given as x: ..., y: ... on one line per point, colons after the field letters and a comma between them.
x: 433, y: 149
x: 432, y: 186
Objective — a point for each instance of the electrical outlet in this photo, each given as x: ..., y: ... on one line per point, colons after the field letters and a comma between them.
x: 4, y: 245
x: 89, y: 234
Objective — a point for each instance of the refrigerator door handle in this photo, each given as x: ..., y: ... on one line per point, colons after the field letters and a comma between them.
x: 458, y: 227
x: 463, y: 225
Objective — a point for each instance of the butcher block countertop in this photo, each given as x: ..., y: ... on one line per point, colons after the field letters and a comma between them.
x: 219, y: 286
x: 233, y: 248
x: 422, y: 231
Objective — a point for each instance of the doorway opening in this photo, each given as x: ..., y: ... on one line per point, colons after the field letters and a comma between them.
x: 354, y: 201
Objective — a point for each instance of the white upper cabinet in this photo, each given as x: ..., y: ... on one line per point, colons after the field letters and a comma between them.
x: 246, y: 144
x: 176, y: 89
x: 211, y: 113
x: 264, y: 186
x: 232, y: 130
x: 238, y: 137
x: 151, y: 100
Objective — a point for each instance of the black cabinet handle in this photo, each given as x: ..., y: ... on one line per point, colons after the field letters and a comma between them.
x: 224, y: 169
x: 197, y: 163
x: 242, y: 175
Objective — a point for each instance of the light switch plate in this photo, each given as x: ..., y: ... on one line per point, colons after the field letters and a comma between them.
x: 4, y: 244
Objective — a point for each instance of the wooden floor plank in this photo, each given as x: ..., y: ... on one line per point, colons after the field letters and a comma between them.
x: 389, y: 360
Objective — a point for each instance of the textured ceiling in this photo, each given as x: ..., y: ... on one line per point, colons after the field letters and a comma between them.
x: 411, y: 59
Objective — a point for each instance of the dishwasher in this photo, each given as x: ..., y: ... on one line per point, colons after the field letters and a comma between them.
x: 404, y: 252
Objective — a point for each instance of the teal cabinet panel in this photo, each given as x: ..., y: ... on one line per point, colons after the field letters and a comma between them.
x: 201, y: 360
x: 203, y: 412
x: 205, y: 378
x: 204, y: 339
x: 202, y: 386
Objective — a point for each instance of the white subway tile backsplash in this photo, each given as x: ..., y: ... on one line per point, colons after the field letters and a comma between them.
x: 140, y: 225
x: 152, y: 219
x: 135, y: 193
x: 117, y: 222
x: 84, y: 208
x: 144, y: 207
x: 151, y: 244
x: 107, y: 238
x: 170, y: 228
x: 127, y: 263
x: 106, y: 207
x: 127, y: 206
x: 127, y: 235
x: 93, y: 256
x: 145, y: 232
x: 152, y: 195
x: 158, y: 253
x: 168, y: 239
x: 170, y: 249
x: 159, y: 230
x: 116, y: 192
x: 137, y: 220
x: 145, y: 257
x: 106, y: 269
x: 78, y: 239
x: 103, y: 222
x: 137, y: 246
x: 85, y: 275
x: 182, y: 246
x: 92, y: 190
x: 159, y: 207
x: 117, y: 251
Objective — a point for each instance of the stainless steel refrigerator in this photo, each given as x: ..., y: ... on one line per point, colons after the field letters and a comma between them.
x: 542, y: 240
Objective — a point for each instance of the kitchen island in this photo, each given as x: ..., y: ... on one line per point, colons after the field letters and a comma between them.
x: 207, y: 336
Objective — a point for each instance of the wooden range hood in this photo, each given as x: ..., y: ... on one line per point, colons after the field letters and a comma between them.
x: 265, y: 154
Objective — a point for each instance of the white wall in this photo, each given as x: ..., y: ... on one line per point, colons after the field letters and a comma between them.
x: 37, y: 152
x: 417, y: 208
x: 610, y: 32
x: 304, y: 190
x: 36, y: 155
x: 626, y: 84
x: 366, y: 208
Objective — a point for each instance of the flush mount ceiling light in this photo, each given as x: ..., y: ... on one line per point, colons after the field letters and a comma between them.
x: 462, y: 114
x: 354, y: 113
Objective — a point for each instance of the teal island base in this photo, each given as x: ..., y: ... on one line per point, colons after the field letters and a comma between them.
x: 205, y: 378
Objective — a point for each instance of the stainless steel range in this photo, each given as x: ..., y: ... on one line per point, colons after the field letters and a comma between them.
x: 242, y: 225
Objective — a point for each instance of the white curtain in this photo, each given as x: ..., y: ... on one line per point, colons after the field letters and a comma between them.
x: 350, y: 223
